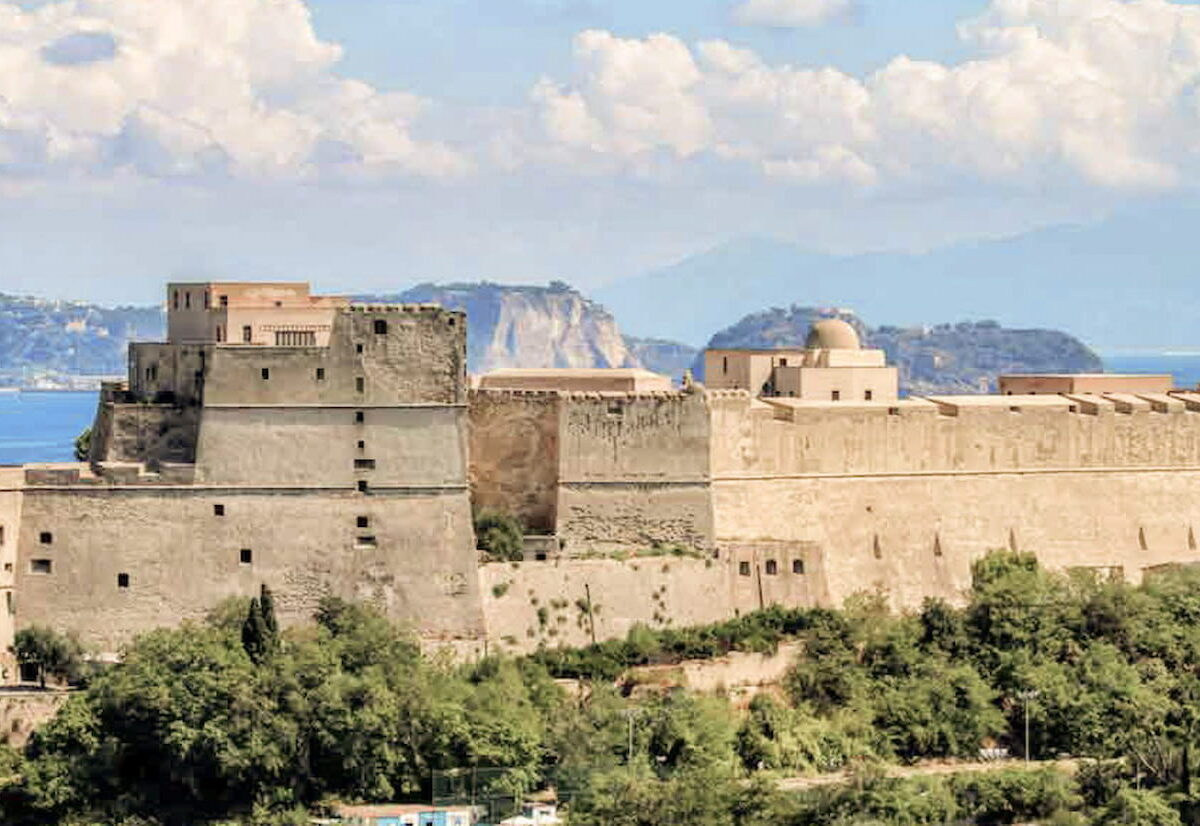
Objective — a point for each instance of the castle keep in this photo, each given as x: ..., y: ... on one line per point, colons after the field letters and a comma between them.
x: 325, y: 447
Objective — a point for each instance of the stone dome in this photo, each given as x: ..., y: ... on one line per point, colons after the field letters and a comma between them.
x: 832, y: 334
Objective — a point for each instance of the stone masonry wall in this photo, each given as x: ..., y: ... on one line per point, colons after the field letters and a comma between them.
x: 182, y: 557
x: 514, y: 455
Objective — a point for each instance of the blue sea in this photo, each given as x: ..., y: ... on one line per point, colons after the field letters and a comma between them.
x: 41, y: 427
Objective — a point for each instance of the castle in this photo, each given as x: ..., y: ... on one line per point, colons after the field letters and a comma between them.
x: 332, y: 448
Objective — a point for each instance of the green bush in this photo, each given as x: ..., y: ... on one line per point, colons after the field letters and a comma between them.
x: 60, y: 656
x: 499, y: 534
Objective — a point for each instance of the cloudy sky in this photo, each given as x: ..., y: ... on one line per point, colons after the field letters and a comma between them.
x: 369, y: 144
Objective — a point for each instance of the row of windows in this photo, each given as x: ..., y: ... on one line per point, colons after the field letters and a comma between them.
x: 359, y: 521
x: 187, y: 299
x: 771, y: 568
x: 360, y: 384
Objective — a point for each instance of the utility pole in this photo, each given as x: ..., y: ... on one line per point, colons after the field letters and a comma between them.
x: 1027, y: 695
x: 630, y: 714
x: 587, y: 589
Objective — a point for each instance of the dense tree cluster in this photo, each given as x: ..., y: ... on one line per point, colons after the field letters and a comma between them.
x: 235, y: 719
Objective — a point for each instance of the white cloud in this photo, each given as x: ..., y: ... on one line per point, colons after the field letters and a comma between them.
x: 181, y: 88
x: 1058, y: 92
x: 788, y: 14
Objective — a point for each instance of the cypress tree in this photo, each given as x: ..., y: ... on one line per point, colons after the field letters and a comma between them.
x: 254, y: 633
x: 266, y: 603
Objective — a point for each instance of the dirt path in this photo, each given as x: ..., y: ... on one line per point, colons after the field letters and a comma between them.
x: 928, y: 768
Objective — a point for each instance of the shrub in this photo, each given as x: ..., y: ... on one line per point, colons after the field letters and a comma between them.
x: 499, y: 534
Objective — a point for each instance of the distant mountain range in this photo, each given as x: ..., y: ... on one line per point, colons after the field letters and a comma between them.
x: 40, y: 338
x: 1126, y: 283
x: 556, y: 326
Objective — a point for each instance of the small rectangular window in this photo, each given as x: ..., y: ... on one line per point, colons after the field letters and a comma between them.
x: 246, y: 556
x: 8, y: 599
x: 46, y: 538
x: 893, y: 411
x: 122, y: 580
x: 772, y: 567
x: 724, y: 364
x: 266, y: 373
x: 364, y: 521
x: 187, y: 300
x: 366, y: 542
x: 359, y: 417
x: 837, y: 395
x: 362, y: 485
x: 380, y: 327
x: 320, y: 374
x: 360, y: 384
x: 797, y: 566
x: 218, y: 510
x: 362, y: 445
x: 247, y: 334
x: 40, y: 566
x: 224, y: 301
x: 175, y: 299
x: 358, y: 349
x: 1, y: 535
x: 783, y: 362
x: 744, y: 568
x: 207, y: 300
x: 364, y: 464
x: 868, y: 395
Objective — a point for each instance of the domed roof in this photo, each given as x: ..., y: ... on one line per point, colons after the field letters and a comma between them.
x: 832, y: 334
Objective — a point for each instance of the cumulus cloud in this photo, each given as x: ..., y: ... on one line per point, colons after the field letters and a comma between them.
x: 1102, y: 92
x: 180, y: 88
x: 789, y: 14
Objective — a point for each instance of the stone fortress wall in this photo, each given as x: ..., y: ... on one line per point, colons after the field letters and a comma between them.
x: 318, y: 470
x: 811, y: 502
x: 352, y: 468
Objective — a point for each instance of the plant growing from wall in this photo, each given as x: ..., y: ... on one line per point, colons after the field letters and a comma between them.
x: 83, y: 445
x: 500, y: 534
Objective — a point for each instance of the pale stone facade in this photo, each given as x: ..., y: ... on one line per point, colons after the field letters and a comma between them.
x: 351, y: 467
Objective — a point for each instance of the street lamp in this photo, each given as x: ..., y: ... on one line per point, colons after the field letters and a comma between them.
x: 1026, y: 696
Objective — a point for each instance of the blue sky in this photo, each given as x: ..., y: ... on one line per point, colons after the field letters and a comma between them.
x: 373, y: 144
x: 492, y: 51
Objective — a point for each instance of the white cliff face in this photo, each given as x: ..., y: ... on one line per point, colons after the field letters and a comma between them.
x: 530, y: 326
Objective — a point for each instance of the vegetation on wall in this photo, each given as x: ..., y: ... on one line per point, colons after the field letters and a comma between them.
x: 500, y: 534
x: 207, y: 723
x: 83, y: 445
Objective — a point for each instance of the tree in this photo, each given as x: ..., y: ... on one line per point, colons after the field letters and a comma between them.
x: 260, y: 631
x: 500, y: 534
x: 54, y: 654
x: 83, y: 445
x: 266, y: 603
x: 1133, y: 807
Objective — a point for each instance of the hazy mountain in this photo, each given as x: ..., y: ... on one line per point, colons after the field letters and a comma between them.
x: 65, y: 337
x: 524, y: 326
x: 667, y: 357
x: 1124, y: 283
x: 946, y: 358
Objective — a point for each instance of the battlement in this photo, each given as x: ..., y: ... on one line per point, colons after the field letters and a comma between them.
x: 430, y: 310
x: 107, y: 474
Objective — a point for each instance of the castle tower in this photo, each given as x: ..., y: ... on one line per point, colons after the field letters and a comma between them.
x: 308, y: 443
